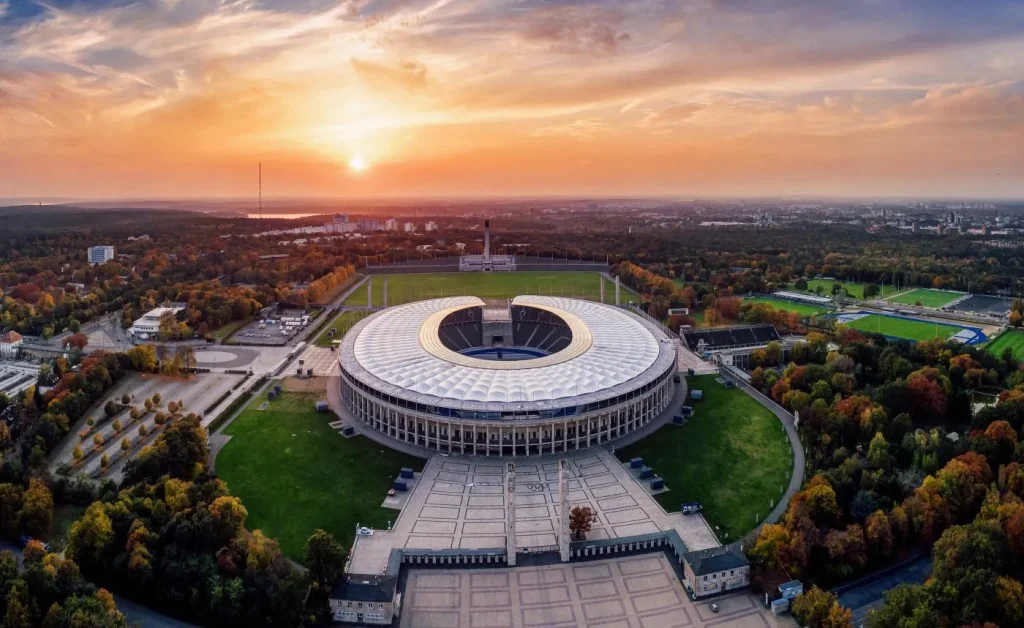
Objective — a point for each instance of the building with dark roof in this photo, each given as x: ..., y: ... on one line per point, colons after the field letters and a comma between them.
x: 364, y: 599
x: 715, y: 570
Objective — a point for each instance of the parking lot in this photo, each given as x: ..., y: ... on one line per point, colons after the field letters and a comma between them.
x: 196, y: 393
x: 628, y: 592
x: 16, y: 377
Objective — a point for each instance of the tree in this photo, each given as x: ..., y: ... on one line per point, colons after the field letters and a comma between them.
x: 228, y: 517
x: 820, y: 609
x: 116, y: 425
x: 110, y: 408
x: 325, y: 557
x: 142, y: 358
x: 126, y: 399
x: 142, y: 430
x: 104, y: 462
x: 878, y: 452
x: 34, y: 552
x: 773, y: 351
x: 581, y: 520
x: 156, y: 399
x: 77, y: 454
x: 172, y: 407
x: 11, y: 498
x: 126, y: 444
x: 91, y: 535
x: 78, y: 341
x: 37, y: 509
x: 97, y: 440
x: 878, y: 535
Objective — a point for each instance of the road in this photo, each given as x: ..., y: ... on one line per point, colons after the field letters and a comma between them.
x: 865, y: 594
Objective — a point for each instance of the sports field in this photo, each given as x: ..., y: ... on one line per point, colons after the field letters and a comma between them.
x: 418, y: 286
x: 856, y: 290
x: 733, y: 456
x: 802, y: 309
x: 295, y: 474
x: 903, y: 328
x: 1012, y: 340
x: 926, y: 297
x: 342, y: 323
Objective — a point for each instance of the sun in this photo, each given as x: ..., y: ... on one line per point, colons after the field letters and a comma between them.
x: 357, y: 163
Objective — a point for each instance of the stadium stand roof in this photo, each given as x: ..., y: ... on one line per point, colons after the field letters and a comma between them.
x: 398, y: 351
x: 800, y: 296
x: 730, y: 337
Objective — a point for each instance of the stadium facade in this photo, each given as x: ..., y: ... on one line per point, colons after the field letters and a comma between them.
x: 526, y: 377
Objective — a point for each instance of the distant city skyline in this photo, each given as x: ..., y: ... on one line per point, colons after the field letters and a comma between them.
x: 375, y: 99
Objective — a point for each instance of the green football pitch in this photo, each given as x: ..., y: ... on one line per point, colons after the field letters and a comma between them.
x: 418, y: 286
x: 802, y: 309
x: 926, y: 297
x: 903, y: 328
x: 856, y: 290
x: 1012, y: 340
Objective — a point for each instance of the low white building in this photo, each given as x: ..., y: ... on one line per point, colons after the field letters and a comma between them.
x: 715, y: 570
x: 430, y: 226
x: 9, y: 344
x: 410, y: 227
x: 148, y: 325
x: 391, y: 224
x: 365, y: 600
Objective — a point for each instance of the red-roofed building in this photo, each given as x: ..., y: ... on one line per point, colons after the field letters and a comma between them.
x: 9, y: 344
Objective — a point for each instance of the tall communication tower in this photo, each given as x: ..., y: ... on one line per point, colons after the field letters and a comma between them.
x: 261, y: 189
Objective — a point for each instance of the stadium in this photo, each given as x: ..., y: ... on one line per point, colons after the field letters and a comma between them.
x: 529, y: 376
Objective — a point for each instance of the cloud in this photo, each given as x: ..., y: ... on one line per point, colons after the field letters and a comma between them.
x: 670, y: 116
x: 584, y: 130
x: 408, y: 75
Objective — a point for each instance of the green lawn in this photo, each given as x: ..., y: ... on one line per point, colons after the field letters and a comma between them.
x: 1010, y: 339
x: 856, y: 290
x: 802, y: 309
x: 903, y: 328
x: 64, y: 515
x: 223, y: 332
x: 926, y: 297
x: 295, y: 474
x: 342, y: 322
x: 418, y: 286
x: 733, y: 456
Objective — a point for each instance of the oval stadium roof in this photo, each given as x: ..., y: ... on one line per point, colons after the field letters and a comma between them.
x: 395, y: 352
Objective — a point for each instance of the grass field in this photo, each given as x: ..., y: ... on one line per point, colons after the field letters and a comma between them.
x: 856, y: 290
x: 802, y: 309
x: 926, y: 297
x: 417, y: 286
x: 342, y: 322
x: 1013, y: 340
x: 903, y: 328
x: 733, y: 456
x: 222, y: 333
x: 295, y: 474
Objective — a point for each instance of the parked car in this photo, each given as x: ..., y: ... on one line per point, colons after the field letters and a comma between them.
x: 714, y: 607
x: 690, y: 508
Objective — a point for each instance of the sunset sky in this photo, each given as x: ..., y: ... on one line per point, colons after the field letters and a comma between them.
x: 387, y: 98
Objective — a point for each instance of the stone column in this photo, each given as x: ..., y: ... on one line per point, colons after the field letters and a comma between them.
x: 510, y: 523
x: 563, y: 495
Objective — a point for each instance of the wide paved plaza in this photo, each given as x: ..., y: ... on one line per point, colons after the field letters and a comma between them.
x: 461, y: 503
x: 630, y: 592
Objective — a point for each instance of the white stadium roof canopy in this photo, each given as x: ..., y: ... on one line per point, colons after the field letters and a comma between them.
x: 394, y: 351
